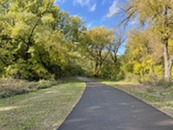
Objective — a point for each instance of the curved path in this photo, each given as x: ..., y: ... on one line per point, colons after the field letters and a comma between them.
x: 105, y: 108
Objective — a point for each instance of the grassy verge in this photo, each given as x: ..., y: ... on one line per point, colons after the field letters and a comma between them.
x: 160, y: 97
x: 45, y: 109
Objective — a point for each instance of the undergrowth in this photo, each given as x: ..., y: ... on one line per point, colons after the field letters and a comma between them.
x: 12, y: 87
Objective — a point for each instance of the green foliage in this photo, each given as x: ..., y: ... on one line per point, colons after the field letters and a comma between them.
x: 111, y: 70
x: 157, y: 16
x: 18, y: 70
x: 140, y: 61
x: 37, y: 39
x: 94, y: 44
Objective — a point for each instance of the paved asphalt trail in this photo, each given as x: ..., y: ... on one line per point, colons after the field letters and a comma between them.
x: 105, y: 108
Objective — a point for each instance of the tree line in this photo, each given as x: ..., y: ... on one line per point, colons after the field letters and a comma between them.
x: 39, y: 41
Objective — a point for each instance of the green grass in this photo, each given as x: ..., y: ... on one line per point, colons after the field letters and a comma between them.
x: 45, y: 109
x: 157, y: 96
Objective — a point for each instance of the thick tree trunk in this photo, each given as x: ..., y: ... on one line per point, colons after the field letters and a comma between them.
x: 167, y: 62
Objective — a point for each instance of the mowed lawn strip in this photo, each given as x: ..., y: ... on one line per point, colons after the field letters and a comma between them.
x: 159, y: 97
x: 42, y: 110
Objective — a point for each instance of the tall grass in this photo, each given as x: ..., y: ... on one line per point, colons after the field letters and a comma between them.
x: 12, y: 87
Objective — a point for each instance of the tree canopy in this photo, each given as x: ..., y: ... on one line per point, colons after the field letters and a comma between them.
x: 36, y: 39
x: 39, y: 41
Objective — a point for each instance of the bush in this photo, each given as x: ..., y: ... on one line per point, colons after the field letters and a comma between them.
x: 12, y: 87
x: 151, y: 79
x: 130, y: 77
x: 27, y: 71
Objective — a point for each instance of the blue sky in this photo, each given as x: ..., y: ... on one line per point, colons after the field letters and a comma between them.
x: 95, y: 12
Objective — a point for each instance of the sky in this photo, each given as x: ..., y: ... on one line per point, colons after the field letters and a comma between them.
x: 94, y: 12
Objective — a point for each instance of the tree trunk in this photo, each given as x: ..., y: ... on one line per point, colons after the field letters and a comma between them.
x: 26, y: 56
x: 167, y: 62
x: 96, y: 71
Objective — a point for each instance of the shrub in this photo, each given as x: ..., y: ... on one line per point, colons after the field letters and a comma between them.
x: 130, y: 77
x: 12, y: 87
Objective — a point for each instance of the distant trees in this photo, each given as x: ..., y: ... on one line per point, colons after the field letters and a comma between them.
x: 95, y: 46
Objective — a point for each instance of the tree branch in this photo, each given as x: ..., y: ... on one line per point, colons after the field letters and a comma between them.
x: 33, y: 29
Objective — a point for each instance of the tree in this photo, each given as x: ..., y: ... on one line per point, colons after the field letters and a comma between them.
x: 156, y: 14
x: 95, y: 44
x: 36, y: 39
x: 141, y: 59
x: 116, y: 43
x: 22, y: 23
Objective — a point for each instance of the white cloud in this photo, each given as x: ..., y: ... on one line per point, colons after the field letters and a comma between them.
x: 135, y: 21
x: 60, y: 1
x: 89, y: 25
x: 81, y: 2
x: 91, y: 4
x: 93, y: 7
x: 113, y: 9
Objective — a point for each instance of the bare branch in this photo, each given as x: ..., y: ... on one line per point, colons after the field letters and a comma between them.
x: 120, y: 38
